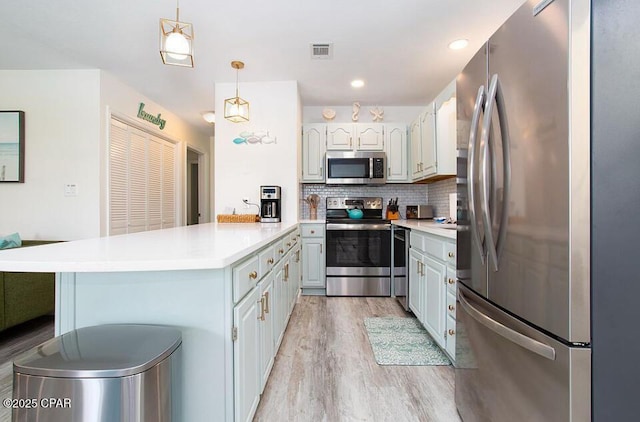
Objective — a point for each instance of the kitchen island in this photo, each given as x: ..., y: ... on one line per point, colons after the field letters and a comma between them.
x: 186, y: 277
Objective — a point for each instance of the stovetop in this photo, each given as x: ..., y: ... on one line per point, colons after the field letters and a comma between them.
x: 348, y: 220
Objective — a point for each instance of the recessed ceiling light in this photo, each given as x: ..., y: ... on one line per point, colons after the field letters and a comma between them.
x: 458, y: 44
x: 209, y: 116
x: 357, y: 83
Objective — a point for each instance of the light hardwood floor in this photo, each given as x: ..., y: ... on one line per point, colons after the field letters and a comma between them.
x: 325, y: 370
x: 13, y: 342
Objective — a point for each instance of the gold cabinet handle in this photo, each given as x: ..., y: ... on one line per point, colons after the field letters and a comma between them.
x: 451, y: 281
x: 286, y: 272
x: 253, y: 275
x: 321, y: 248
x: 451, y: 254
x: 358, y: 142
x: 266, y: 296
x: 288, y: 244
x: 451, y: 307
x: 261, y: 302
x: 270, y: 261
x: 313, y: 231
x: 451, y: 332
x: 350, y: 142
x: 281, y: 250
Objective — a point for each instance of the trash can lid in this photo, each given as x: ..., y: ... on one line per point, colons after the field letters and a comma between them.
x: 103, y: 351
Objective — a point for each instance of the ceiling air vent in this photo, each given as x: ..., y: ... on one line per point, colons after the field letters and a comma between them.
x: 322, y: 51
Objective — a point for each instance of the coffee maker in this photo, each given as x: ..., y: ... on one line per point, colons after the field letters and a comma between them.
x: 270, y: 204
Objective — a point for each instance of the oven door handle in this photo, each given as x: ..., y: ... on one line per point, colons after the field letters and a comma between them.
x: 358, y: 226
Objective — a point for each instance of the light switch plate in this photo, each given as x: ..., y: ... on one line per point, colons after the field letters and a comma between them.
x: 70, y: 189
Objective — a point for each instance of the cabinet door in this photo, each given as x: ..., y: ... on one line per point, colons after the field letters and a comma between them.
x: 294, y: 282
x: 246, y: 357
x: 313, y: 263
x: 415, y: 283
x: 339, y: 137
x: 278, y: 304
x: 369, y: 136
x: 446, y: 137
x: 265, y: 311
x: 395, y: 137
x: 434, y: 311
x: 428, y: 137
x: 314, y: 140
x: 416, y: 150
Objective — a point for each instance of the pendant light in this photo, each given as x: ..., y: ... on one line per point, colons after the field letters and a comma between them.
x: 236, y: 109
x: 176, y: 41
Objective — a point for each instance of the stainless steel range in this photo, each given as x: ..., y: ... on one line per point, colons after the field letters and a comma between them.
x: 358, y: 248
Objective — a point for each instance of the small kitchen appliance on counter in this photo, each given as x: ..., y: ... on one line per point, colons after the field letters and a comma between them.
x: 270, y: 204
x: 419, y: 212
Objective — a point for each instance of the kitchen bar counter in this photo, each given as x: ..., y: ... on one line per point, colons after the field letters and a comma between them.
x: 183, y: 277
x: 429, y: 226
x: 201, y: 246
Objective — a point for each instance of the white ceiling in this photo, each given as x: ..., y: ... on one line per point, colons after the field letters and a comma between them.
x: 399, y: 47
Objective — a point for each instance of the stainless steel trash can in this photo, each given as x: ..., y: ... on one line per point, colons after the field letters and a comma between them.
x: 106, y: 373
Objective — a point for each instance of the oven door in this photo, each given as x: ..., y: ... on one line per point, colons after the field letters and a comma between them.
x: 358, y: 250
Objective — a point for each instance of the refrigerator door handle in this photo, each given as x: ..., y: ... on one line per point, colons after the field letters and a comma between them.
x: 506, y: 157
x: 495, y: 248
x: 505, y: 332
x: 471, y: 192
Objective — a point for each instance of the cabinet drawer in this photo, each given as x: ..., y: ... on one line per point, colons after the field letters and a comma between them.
x: 281, y: 248
x: 417, y: 240
x: 450, y: 251
x: 312, y: 230
x: 451, y: 304
x: 294, y: 237
x: 288, y: 241
x: 451, y: 337
x: 267, y: 259
x: 451, y: 280
x: 245, y: 277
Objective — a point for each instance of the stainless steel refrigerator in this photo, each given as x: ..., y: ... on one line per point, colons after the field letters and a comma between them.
x: 529, y: 220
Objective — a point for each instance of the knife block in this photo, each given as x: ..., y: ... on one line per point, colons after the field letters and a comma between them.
x: 393, y: 215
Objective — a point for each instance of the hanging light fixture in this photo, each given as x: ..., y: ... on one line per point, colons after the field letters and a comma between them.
x: 236, y: 109
x: 176, y: 41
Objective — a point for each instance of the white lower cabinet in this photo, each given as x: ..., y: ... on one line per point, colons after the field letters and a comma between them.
x: 260, y: 317
x: 432, y: 294
x: 267, y: 343
x: 416, y: 283
x: 434, y: 311
x: 313, y: 257
x: 246, y: 357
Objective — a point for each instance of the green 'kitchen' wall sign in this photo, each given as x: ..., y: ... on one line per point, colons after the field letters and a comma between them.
x: 156, y: 120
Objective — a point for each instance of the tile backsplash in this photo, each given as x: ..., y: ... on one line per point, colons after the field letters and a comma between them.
x: 436, y: 194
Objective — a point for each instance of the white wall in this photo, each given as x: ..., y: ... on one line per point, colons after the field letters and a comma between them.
x: 392, y: 114
x: 240, y: 170
x: 62, y: 117
x: 123, y: 101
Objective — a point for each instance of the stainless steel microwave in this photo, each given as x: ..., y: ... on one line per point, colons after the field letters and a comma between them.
x: 356, y: 168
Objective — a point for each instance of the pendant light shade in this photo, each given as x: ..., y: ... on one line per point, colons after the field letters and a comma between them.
x: 236, y: 109
x: 176, y: 41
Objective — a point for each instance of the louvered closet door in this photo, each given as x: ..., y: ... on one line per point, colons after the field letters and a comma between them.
x: 154, y: 184
x: 118, y: 162
x: 137, y: 182
x: 142, y: 177
x: 168, y: 185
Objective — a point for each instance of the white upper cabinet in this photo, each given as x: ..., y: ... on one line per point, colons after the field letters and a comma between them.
x: 433, y: 139
x: 314, y: 140
x: 355, y: 137
x: 339, y: 137
x: 396, y: 148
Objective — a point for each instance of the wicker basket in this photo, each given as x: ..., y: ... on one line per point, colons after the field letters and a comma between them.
x: 238, y: 218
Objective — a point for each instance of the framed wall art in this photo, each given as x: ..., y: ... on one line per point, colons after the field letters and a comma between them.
x: 12, y: 146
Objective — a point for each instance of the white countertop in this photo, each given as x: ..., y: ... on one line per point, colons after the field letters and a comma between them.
x: 428, y: 226
x: 201, y: 246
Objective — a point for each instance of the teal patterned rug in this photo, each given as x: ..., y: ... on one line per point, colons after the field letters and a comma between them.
x: 402, y: 341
